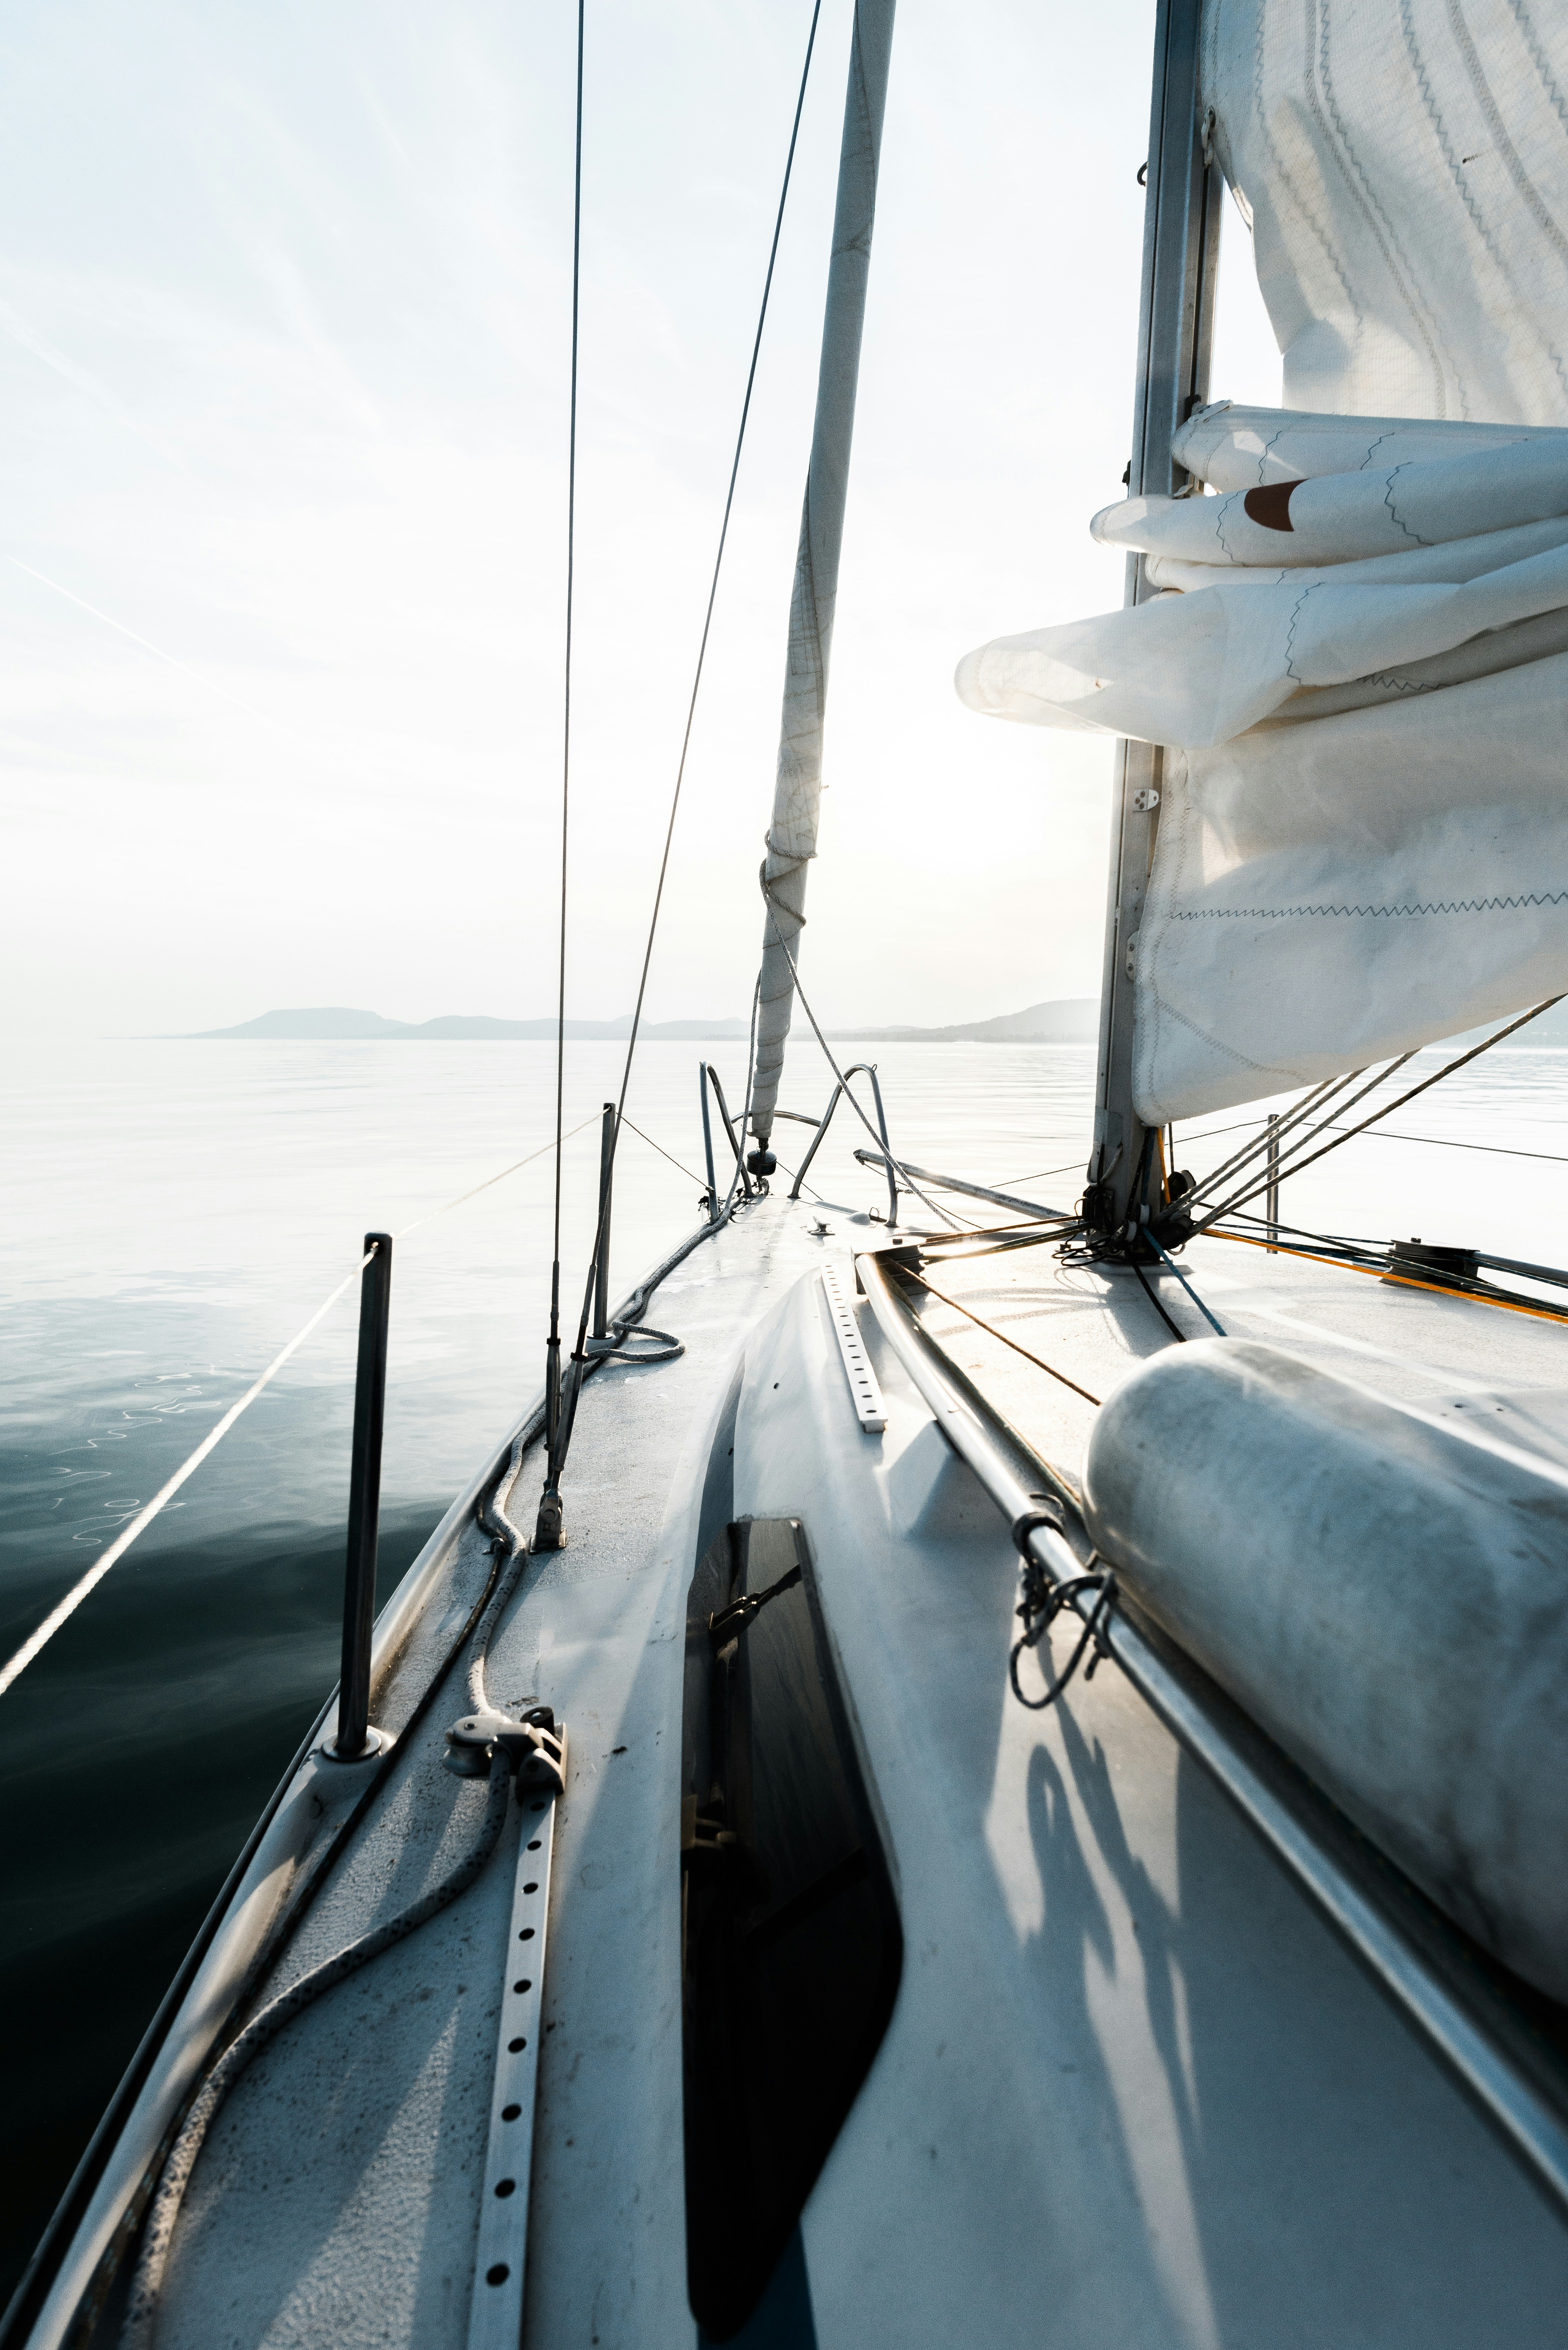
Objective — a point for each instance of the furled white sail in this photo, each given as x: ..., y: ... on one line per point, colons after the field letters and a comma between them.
x: 1404, y: 164
x: 1296, y: 585
x: 1363, y: 842
x: 1355, y: 651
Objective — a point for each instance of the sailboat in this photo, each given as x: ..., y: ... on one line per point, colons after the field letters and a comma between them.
x: 1013, y: 1786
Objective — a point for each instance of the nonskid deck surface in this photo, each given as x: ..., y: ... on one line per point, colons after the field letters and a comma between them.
x: 336, y: 2199
x: 1133, y: 2090
x: 1465, y: 1359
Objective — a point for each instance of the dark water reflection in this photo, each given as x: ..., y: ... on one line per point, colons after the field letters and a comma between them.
x: 136, y: 1754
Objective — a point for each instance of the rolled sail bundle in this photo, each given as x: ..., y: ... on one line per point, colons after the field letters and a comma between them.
x: 1358, y: 672
x: 1232, y: 447
x: 1200, y: 667
x: 1397, y: 1618
x: 1396, y: 506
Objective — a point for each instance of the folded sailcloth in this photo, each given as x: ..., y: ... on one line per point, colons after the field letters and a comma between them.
x: 1357, y: 669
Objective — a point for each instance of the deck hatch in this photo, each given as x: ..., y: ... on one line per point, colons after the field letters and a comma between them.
x: 791, y: 1945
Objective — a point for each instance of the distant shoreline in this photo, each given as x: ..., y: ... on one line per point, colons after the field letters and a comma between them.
x: 1072, y: 1020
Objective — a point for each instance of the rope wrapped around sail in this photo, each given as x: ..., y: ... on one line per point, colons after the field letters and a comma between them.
x: 797, y: 792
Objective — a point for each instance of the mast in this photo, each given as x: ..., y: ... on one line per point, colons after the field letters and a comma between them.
x: 797, y: 792
x: 1176, y: 324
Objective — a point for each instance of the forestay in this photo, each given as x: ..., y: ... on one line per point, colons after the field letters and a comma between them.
x: 1356, y: 648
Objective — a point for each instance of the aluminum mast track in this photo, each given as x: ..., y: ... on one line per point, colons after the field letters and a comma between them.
x: 791, y: 833
x: 1176, y: 325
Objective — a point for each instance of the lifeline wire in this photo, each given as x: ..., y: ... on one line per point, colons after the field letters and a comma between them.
x: 665, y: 1154
x: 552, y: 1345
x: 1269, y: 1140
x: 1071, y: 1167
x: 691, y: 708
x: 1314, y: 1100
x: 464, y: 1197
x: 80, y: 1590
x: 1390, y: 1134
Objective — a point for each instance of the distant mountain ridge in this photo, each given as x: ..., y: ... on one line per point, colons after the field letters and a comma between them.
x: 1069, y: 1020
x: 333, y: 1025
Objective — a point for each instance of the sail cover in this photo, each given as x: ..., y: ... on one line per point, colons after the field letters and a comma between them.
x: 1357, y: 656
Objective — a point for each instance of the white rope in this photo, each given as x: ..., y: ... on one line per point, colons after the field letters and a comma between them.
x: 465, y: 1196
x: 122, y: 1541
x: 73, y: 1599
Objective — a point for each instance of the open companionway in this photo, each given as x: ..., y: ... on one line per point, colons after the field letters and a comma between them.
x: 789, y: 1941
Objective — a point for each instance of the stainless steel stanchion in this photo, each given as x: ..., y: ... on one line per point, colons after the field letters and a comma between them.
x: 601, y: 1275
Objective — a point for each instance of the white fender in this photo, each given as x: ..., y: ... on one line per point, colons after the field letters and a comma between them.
x: 1387, y: 1598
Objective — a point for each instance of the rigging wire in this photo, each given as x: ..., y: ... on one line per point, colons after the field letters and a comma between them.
x: 1358, y: 1254
x: 1266, y: 1146
x: 1008, y: 1236
x: 1154, y: 1298
x: 556, y: 1454
x: 1039, y: 1361
x: 552, y: 1344
x: 718, y: 559
x: 1214, y: 1324
x: 1309, y: 1103
x: 1403, y: 1279
x: 1350, y: 1242
x: 838, y: 1073
x: 1040, y: 1173
x: 1296, y: 1165
x: 665, y: 1154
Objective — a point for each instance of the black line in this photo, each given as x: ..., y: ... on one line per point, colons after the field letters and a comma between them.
x: 1180, y: 1336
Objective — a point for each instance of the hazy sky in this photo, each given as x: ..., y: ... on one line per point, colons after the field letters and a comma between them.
x: 282, y: 365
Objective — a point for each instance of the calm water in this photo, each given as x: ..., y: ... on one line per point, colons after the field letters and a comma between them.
x: 173, y: 1211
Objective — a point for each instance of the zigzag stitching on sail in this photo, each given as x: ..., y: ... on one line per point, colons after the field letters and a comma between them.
x: 1292, y: 913
x: 1291, y: 634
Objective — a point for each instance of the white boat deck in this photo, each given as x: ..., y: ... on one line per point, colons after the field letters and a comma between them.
x: 1444, y: 1353
x: 1133, y: 2092
x: 336, y: 2199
